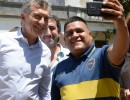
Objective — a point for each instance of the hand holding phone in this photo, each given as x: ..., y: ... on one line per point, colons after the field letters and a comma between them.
x: 94, y: 9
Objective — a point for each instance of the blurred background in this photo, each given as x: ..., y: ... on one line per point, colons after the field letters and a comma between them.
x: 103, y: 31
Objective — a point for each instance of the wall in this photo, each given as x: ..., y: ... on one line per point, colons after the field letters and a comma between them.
x: 9, y: 23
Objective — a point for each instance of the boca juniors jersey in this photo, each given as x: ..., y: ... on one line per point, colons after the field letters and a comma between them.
x: 92, y: 77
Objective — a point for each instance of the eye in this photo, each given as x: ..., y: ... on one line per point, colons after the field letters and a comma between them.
x: 68, y: 33
x: 79, y: 30
x: 51, y: 28
x: 46, y: 18
x: 38, y: 17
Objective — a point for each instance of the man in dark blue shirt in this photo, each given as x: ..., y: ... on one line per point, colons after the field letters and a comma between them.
x: 90, y: 73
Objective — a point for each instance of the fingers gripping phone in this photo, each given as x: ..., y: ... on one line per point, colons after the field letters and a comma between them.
x: 94, y: 9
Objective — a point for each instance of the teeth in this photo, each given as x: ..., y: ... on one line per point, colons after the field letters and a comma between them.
x: 47, y: 37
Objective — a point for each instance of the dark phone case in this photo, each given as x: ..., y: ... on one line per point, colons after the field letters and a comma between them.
x: 94, y: 8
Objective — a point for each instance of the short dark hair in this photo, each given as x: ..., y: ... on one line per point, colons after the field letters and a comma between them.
x: 54, y: 17
x: 73, y: 19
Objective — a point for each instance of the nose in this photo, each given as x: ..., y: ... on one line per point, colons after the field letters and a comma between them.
x: 42, y: 21
x: 47, y: 31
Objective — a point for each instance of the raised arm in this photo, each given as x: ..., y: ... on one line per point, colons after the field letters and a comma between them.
x: 118, y: 50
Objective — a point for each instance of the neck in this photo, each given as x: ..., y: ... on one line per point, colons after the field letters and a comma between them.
x: 31, y: 39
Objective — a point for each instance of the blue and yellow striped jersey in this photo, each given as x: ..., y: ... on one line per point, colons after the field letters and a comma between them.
x: 92, y: 77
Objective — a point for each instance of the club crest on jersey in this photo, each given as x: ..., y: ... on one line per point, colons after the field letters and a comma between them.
x: 90, y: 64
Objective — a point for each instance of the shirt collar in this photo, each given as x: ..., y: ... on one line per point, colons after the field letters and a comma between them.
x: 60, y: 56
x: 20, y: 35
x: 89, y: 52
x: 61, y: 53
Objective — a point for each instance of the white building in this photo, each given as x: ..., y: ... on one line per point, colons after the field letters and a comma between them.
x: 10, y: 13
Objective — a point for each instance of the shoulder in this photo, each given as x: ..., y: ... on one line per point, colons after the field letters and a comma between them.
x: 101, y: 56
x: 102, y: 50
x: 7, y: 36
x: 63, y: 66
x: 65, y: 51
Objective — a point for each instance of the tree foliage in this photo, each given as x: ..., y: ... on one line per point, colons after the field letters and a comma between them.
x: 109, y: 31
x: 126, y: 6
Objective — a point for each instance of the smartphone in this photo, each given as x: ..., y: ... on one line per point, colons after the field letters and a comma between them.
x: 94, y: 9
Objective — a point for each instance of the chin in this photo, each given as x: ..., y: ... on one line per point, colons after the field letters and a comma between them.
x: 50, y: 44
x: 77, y: 50
x: 78, y: 47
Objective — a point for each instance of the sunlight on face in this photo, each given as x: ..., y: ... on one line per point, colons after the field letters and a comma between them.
x: 77, y: 37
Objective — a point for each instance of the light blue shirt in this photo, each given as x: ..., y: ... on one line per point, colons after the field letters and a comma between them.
x: 63, y: 54
x: 24, y: 69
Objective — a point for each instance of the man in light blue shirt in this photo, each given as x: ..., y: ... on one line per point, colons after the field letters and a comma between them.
x: 24, y: 58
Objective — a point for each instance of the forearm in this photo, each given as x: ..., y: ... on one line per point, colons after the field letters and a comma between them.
x: 121, y: 41
x: 118, y: 49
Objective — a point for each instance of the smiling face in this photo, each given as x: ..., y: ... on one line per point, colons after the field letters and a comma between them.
x: 77, y: 37
x: 51, y: 36
x: 35, y: 22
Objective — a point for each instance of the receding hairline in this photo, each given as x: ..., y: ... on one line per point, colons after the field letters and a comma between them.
x: 26, y: 8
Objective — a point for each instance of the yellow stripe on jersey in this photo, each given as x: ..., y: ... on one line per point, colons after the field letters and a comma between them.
x: 105, y: 87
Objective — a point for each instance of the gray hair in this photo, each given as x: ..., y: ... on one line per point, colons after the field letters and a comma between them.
x: 42, y: 3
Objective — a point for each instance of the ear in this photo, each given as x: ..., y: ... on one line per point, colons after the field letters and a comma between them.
x: 90, y: 35
x: 22, y: 16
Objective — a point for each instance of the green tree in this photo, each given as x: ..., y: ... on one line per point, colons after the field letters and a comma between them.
x: 109, y: 31
x: 126, y: 6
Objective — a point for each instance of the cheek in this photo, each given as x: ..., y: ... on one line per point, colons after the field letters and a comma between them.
x: 53, y: 33
x: 29, y: 26
x: 32, y: 22
x: 67, y: 42
x: 87, y: 37
x: 65, y: 39
x: 28, y: 23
